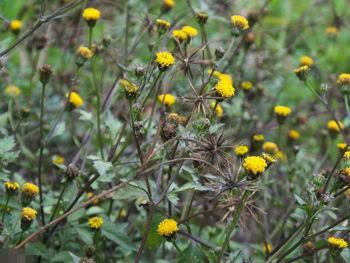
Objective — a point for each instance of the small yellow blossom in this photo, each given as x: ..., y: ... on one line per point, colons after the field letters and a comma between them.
x: 91, y: 14
x: 12, y: 91
x: 343, y: 79
x: 270, y: 147
x: 254, y: 164
x: 75, y: 99
x: 167, y: 228
x: 282, y: 111
x: 337, y: 243
x: 241, y: 150
x: 335, y: 126
x: 167, y: 99
x: 85, y: 52
x: 342, y: 146
x: 168, y: 4
x: 239, y: 22
x: 11, y: 186
x: 331, y: 31
x: 162, y: 24
x: 15, y: 25
x: 130, y: 88
x: 218, y: 109
x: 293, y: 135
x: 224, y: 87
x: 191, y: 32
x: 306, y: 61
x: 246, y: 85
x: 30, y: 190
x: 281, y: 156
x: 57, y: 159
x: 267, y: 247
x: 346, y: 155
x: 28, y: 214
x: 95, y: 222
x: 164, y: 60
x: 179, y: 35
x: 302, y: 72
x: 268, y: 158
x: 258, y: 137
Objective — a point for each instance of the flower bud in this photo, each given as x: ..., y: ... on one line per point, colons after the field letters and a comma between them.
x: 45, y: 74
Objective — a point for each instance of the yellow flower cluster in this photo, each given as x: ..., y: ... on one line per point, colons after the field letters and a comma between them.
x: 30, y: 189
x: 167, y: 99
x: 335, y: 126
x: 270, y: 147
x: 15, y: 25
x: 75, y: 99
x: 306, y: 61
x: 246, y: 85
x: 129, y: 87
x: 179, y: 35
x: 95, y: 222
x: 343, y: 79
x: 190, y: 31
x: 58, y: 159
x: 167, y: 227
x: 239, y: 22
x: 241, y: 150
x: 28, y: 213
x: 254, y: 164
x: 282, y: 111
x: 224, y: 87
x: 91, y: 14
x: 85, y: 52
x: 164, y: 60
x: 293, y: 135
x: 11, y: 186
x: 162, y: 24
x: 218, y: 109
x: 337, y: 243
x: 12, y: 91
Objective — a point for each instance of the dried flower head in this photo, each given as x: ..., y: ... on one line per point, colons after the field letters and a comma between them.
x: 239, y: 22
x: 167, y: 228
x: 202, y: 17
x: 164, y: 60
x: 167, y: 99
x: 95, y: 223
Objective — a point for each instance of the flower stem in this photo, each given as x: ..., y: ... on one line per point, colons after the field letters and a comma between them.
x: 233, y: 224
x: 347, y: 104
x: 58, y: 201
x: 5, y: 208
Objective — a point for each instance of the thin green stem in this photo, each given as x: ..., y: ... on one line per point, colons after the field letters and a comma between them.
x: 346, y: 100
x: 58, y: 201
x: 5, y: 208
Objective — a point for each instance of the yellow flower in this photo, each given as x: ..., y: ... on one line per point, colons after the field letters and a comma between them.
x: 302, y: 72
x: 58, y: 159
x: 254, y: 164
x: 342, y: 146
x: 293, y: 135
x: 75, y: 99
x: 337, y: 243
x: 240, y: 22
x: 179, y: 35
x: 162, y: 24
x: 281, y: 156
x: 191, y: 32
x: 15, y: 25
x: 30, y: 190
x: 168, y: 4
x: 343, y: 79
x: 241, y: 150
x: 282, y: 111
x: 267, y: 247
x: 167, y: 99
x: 331, y: 31
x: 90, y: 195
x: 268, y: 158
x: 28, y: 213
x: 130, y: 88
x: 167, y: 228
x: 164, y: 60
x: 12, y: 91
x: 246, y: 85
x: 218, y: 109
x: 346, y: 155
x: 95, y: 222
x: 306, y: 61
x: 258, y: 137
x: 91, y: 14
x: 176, y: 118
x: 335, y: 126
x: 224, y: 87
x: 85, y: 52
x: 270, y: 147
x: 11, y: 186
x: 215, y: 73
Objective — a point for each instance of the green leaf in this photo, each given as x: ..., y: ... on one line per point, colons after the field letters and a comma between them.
x: 59, y: 130
x: 113, y: 125
x: 85, y: 234
x: 101, y: 166
x: 7, y: 144
x: 117, y: 234
x: 299, y: 200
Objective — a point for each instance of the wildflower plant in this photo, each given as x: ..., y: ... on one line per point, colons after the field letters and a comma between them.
x: 175, y: 131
